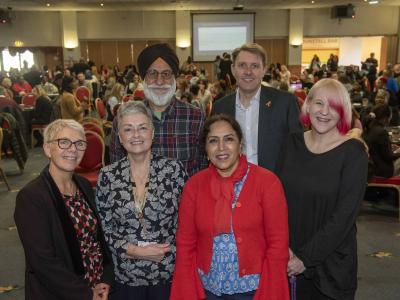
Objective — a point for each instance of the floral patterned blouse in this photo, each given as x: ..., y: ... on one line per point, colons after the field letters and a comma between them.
x: 122, y: 225
x: 85, y: 225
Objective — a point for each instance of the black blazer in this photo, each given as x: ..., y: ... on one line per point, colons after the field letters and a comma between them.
x: 54, y: 268
x: 278, y: 116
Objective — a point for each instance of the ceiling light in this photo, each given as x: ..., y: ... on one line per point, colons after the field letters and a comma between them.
x: 312, y: 2
x: 101, y: 4
x: 373, y: 2
x: 48, y: 4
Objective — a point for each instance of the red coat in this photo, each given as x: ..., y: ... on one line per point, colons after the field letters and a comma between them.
x: 260, y: 226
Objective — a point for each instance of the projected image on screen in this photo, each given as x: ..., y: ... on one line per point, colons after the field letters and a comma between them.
x: 228, y: 38
x: 214, y: 34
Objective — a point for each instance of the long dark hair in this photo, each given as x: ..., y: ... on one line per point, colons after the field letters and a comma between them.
x: 66, y: 84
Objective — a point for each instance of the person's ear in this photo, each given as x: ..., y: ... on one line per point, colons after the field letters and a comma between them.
x: 46, y: 149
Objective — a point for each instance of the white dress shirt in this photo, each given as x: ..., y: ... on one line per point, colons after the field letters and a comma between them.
x: 248, y: 120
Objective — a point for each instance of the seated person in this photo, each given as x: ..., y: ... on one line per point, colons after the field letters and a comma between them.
x: 42, y: 111
x: 386, y: 161
x: 21, y: 87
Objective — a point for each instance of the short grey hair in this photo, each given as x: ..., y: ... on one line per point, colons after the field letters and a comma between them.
x: 55, y: 127
x: 134, y: 107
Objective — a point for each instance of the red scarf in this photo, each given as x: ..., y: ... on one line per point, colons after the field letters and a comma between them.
x: 222, y: 191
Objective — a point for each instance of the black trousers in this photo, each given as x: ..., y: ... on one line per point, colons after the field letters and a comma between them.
x: 152, y: 292
x: 241, y: 296
x: 306, y: 290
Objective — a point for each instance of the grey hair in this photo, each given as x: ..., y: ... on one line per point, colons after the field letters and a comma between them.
x: 55, y: 127
x: 134, y: 107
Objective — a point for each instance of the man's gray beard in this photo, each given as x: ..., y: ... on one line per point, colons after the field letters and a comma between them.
x: 159, y: 100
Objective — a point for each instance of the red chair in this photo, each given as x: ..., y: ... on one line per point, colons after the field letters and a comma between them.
x: 82, y: 93
x: 88, y: 126
x: 127, y: 98
x: 93, y: 159
x: 29, y: 100
x: 300, y: 93
x: 389, y: 183
x: 138, y: 95
x: 101, y: 108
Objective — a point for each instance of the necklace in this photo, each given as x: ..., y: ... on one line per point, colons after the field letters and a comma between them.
x: 139, y: 200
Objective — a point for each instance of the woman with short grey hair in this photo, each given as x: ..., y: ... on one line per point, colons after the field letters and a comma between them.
x: 138, y: 198
x: 66, y: 255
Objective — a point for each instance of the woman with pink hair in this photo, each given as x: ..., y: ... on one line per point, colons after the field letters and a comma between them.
x: 324, y: 174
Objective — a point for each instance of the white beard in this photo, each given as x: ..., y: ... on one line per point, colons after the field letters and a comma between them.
x: 159, y: 100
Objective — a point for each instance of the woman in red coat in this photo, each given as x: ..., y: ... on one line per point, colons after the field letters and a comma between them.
x: 232, y: 238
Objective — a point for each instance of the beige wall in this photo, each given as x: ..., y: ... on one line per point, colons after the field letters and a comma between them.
x: 272, y: 23
x: 43, y: 28
x: 126, y: 25
x: 33, y: 28
x: 370, y: 20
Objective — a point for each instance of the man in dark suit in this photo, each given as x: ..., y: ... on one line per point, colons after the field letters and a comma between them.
x: 266, y: 115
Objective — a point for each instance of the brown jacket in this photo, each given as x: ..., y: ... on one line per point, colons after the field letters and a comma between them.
x: 71, y: 107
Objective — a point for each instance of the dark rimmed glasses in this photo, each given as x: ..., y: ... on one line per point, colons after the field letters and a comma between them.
x: 165, y: 75
x: 67, y: 143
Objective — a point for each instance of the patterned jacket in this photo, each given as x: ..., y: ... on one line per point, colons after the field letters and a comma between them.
x: 121, y: 223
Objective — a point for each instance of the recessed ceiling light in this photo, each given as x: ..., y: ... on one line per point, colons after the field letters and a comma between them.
x: 312, y: 2
x: 373, y: 2
x: 101, y: 4
x: 48, y: 4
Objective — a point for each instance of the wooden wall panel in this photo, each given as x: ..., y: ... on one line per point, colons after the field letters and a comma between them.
x: 277, y: 50
x: 109, y: 53
x: 120, y: 53
x: 94, y: 52
x: 124, y: 54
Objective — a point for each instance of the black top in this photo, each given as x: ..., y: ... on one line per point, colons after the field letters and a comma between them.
x: 323, y: 193
x: 378, y: 141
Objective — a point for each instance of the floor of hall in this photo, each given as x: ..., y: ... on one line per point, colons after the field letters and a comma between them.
x: 378, y: 278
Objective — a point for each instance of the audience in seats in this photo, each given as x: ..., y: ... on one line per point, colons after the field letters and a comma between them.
x: 386, y: 162
x: 42, y: 111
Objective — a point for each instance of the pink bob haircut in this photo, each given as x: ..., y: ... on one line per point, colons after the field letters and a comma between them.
x: 338, y: 98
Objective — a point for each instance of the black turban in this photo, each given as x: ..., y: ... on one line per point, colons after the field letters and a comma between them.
x: 151, y: 53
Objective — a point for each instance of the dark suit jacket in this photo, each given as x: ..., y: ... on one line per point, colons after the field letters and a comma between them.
x: 380, y: 149
x: 278, y: 116
x: 54, y: 268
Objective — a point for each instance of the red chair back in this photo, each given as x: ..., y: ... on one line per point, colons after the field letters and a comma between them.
x: 300, y: 93
x: 82, y: 93
x: 93, y: 159
x: 93, y: 127
x: 101, y: 108
x: 127, y: 98
x: 29, y: 100
x: 138, y: 95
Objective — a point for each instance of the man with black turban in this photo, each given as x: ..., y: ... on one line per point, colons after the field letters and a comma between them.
x: 177, y: 125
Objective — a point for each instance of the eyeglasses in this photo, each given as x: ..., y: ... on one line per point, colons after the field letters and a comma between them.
x: 165, y: 75
x: 66, y: 144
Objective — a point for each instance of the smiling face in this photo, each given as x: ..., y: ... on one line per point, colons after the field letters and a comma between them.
x: 159, y: 84
x: 249, y: 71
x: 323, y: 114
x: 223, y: 148
x: 136, y: 133
x: 64, y: 160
